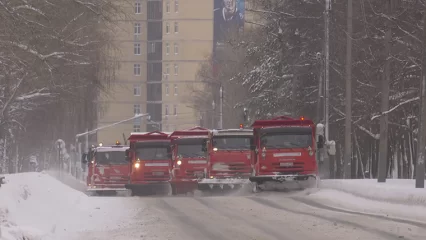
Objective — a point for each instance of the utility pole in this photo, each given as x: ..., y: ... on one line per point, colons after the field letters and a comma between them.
x: 326, y: 163
x: 420, y: 168
x: 221, y: 107
x: 383, y: 145
x: 327, y: 66
x: 348, y: 119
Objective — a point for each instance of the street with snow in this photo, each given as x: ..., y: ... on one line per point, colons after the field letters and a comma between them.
x: 38, y: 206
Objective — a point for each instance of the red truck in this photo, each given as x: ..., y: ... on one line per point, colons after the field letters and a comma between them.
x: 229, y: 157
x: 107, y: 169
x: 150, y: 161
x: 189, y: 159
x: 285, y: 153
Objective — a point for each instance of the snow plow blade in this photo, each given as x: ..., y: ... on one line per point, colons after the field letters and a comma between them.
x: 183, y: 186
x: 284, y: 182
x: 150, y: 188
x: 224, y: 183
x: 106, y: 191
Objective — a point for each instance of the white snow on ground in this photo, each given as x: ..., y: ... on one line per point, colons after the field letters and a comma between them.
x: 393, y: 190
x: 396, y: 198
x: 37, y: 206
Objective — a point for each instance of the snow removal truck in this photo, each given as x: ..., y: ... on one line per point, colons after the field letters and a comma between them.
x: 285, y: 154
x: 229, y: 159
x: 189, y: 159
x: 150, y: 161
x: 108, y: 169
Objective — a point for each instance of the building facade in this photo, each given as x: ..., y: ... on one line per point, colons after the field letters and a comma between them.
x: 161, y: 44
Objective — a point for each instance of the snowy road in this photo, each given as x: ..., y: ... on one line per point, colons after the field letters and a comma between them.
x: 271, y: 216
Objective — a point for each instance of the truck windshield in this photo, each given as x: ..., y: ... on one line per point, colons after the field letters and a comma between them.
x: 190, y: 151
x: 286, y: 140
x: 112, y: 157
x: 153, y: 153
x: 232, y: 143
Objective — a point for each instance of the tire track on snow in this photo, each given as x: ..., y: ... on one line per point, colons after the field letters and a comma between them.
x: 271, y: 204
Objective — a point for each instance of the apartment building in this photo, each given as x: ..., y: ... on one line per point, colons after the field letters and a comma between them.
x: 162, y: 44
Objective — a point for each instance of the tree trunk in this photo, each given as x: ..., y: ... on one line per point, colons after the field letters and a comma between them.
x: 383, y: 148
x: 348, y: 103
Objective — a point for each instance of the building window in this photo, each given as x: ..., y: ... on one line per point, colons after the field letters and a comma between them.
x: 137, y: 48
x: 167, y: 69
x: 167, y: 28
x: 138, y: 7
x: 175, y: 90
x: 137, y: 109
x: 167, y: 6
x: 175, y: 110
x: 137, y: 90
x: 176, y: 27
x: 167, y: 110
x: 137, y: 28
x: 151, y: 47
x: 137, y: 69
x: 167, y: 89
x: 176, y: 48
x: 176, y: 5
x: 167, y: 48
x: 136, y: 128
x: 176, y: 69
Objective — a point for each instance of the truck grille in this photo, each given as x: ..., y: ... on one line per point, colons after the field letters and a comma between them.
x: 296, y: 168
x: 231, y: 168
x: 115, y: 179
x: 156, y: 176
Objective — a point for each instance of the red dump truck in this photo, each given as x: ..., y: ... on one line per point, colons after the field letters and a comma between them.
x: 230, y: 159
x: 108, y: 169
x: 189, y: 159
x: 150, y: 161
x: 285, y: 154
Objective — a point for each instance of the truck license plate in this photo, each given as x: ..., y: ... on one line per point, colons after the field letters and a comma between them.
x: 286, y: 164
x: 158, y: 173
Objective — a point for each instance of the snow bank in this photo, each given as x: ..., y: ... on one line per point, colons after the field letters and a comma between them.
x: 37, y: 206
x: 346, y: 201
x: 400, y: 191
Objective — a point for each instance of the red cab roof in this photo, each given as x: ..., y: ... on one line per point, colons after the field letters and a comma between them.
x: 197, y: 131
x: 155, y: 135
x: 282, y: 121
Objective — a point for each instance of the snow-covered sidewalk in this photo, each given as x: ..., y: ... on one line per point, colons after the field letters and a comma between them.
x: 396, y: 198
x: 37, y: 206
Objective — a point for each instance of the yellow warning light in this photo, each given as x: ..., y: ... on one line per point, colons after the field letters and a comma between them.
x: 241, y: 126
x: 302, y: 118
x: 117, y: 142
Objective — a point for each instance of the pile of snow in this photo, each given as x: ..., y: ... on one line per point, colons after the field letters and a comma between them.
x: 396, y: 198
x: 37, y: 206
x: 400, y: 191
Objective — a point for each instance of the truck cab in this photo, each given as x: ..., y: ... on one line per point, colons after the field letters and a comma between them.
x: 284, y: 153
x: 150, y: 161
x: 230, y: 158
x: 107, y: 168
x: 189, y: 159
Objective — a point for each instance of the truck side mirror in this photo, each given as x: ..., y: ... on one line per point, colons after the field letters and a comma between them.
x: 204, y: 145
x: 84, y: 158
x: 127, y: 155
x: 320, y: 143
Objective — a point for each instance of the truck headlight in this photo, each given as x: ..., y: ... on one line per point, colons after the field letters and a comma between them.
x: 137, y: 165
x: 179, y: 162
